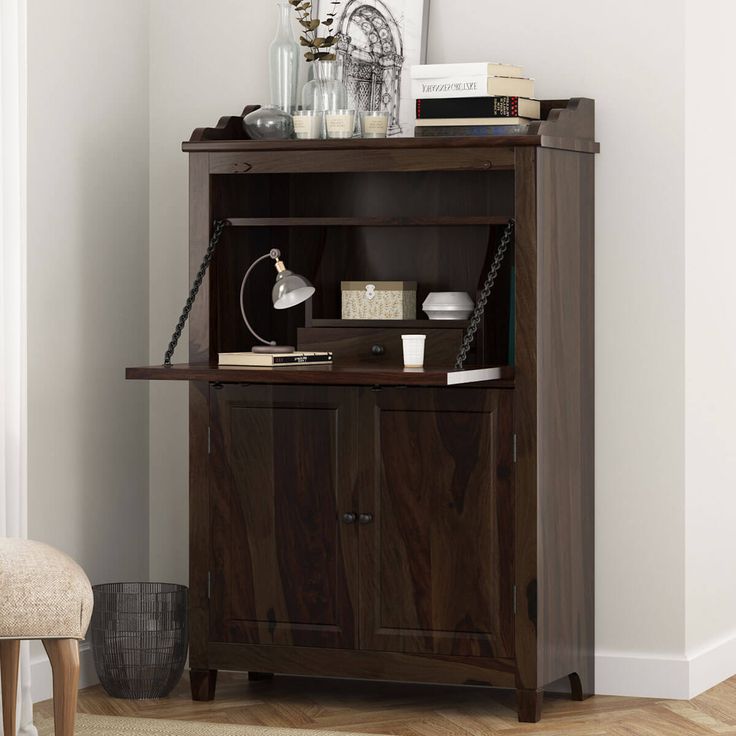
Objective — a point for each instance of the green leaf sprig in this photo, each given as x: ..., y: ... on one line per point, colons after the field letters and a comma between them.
x: 317, y: 43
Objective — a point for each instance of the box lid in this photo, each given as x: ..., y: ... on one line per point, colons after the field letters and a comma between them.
x: 379, y: 285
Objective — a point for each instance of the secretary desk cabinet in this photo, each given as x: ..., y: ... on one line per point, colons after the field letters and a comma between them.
x: 359, y: 519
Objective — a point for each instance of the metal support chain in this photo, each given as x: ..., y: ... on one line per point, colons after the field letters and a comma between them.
x: 219, y: 226
x: 484, y: 294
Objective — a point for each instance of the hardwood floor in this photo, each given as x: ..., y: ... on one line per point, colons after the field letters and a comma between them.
x: 422, y: 710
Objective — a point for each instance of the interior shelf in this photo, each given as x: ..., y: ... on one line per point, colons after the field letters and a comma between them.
x: 366, y: 221
x: 402, y: 324
x: 343, y: 375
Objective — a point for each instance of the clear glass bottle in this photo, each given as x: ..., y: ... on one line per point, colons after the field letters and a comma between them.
x: 274, y: 121
x: 326, y: 92
x: 283, y: 61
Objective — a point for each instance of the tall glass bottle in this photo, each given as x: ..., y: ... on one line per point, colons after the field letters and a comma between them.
x: 274, y: 121
x: 283, y: 58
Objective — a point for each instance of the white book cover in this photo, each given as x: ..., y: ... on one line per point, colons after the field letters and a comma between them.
x: 474, y: 86
x: 473, y: 69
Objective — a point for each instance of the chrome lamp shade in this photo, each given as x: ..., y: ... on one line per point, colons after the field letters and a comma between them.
x: 290, y: 289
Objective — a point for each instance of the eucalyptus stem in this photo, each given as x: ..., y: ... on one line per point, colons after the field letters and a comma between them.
x: 318, y: 44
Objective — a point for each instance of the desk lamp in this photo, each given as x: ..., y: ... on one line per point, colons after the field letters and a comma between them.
x: 289, y: 290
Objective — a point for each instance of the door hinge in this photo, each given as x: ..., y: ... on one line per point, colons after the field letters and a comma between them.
x: 209, y: 440
x: 514, y: 600
x: 514, y: 448
x: 209, y: 585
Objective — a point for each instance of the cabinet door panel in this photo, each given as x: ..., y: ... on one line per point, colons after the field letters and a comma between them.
x: 436, y: 562
x: 281, y: 564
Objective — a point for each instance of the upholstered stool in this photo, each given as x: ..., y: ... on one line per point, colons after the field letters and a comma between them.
x: 43, y: 595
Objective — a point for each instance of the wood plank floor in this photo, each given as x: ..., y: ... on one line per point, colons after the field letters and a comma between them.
x: 423, y: 710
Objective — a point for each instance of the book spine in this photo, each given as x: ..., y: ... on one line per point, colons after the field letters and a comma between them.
x: 468, y: 107
x: 469, y: 130
x: 289, y: 360
x: 451, y: 87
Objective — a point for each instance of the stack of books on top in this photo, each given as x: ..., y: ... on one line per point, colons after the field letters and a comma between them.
x: 472, y: 99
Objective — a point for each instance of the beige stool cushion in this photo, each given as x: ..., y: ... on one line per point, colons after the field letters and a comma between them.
x: 43, y: 593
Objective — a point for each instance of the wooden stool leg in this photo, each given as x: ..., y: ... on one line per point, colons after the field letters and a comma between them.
x: 64, y: 658
x: 9, y: 654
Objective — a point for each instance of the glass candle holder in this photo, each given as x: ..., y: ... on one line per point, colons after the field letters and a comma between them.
x: 374, y: 123
x: 308, y: 124
x: 340, y: 123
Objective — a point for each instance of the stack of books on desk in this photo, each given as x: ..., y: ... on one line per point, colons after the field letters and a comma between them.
x: 472, y: 99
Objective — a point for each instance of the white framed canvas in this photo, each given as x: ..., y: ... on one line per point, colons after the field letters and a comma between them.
x: 379, y: 42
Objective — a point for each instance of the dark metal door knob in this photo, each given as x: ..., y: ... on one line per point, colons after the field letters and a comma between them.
x: 349, y: 518
x: 365, y: 518
x: 378, y: 350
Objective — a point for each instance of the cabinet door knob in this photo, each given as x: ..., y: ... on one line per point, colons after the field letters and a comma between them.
x: 365, y: 518
x: 378, y: 350
x: 349, y: 518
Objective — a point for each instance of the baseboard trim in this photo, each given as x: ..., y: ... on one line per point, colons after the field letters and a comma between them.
x: 642, y: 677
x: 712, y: 665
x: 673, y: 678
x: 667, y: 678
x: 42, y: 682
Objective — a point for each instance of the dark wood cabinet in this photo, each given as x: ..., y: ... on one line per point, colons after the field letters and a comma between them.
x: 360, y: 519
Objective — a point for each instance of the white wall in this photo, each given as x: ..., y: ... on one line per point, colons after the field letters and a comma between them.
x: 207, y: 65
x: 203, y: 66
x: 88, y: 283
x: 606, y: 51
x: 711, y: 348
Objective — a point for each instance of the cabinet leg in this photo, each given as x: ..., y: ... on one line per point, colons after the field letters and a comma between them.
x: 257, y: 676
x: 579, y: 687
x: 203, y: 684
x: 529, y: 703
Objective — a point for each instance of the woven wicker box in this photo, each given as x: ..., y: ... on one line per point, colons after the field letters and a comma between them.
x: 379, y: 299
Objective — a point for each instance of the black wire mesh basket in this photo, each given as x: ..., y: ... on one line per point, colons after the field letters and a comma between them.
x: 139, y: 638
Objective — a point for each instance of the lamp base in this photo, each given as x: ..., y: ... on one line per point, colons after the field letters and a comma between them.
x: 274, y: 349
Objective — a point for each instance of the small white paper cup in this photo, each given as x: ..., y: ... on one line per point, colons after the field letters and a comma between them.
x: 413, y: 350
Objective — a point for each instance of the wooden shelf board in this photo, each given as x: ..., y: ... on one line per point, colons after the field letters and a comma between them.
x: 364, y: 144
x: 566, y: 124
x: 367, y: 221
x: 401, y: 324
x: 345, y: 375
x: 582, y: 145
